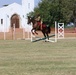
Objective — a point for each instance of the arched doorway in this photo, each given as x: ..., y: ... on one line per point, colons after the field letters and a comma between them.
x: 15, y: 20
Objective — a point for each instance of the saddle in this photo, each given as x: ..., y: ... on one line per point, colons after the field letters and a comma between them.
x: 41, y: 25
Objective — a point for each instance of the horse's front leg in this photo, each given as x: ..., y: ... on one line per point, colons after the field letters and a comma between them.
x: 32, y: 31
x: 36, y: 32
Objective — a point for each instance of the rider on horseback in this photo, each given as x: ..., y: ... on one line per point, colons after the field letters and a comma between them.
x: 39, y: 21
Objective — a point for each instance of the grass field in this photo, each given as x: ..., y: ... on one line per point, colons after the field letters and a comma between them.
x: 21, y: 57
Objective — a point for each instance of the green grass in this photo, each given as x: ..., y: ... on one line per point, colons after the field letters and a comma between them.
x: 21, y: 57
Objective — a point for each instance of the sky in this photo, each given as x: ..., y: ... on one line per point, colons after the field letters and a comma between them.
x: 4, y: 2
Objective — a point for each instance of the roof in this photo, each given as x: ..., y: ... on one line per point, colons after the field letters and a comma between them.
x: 13, y: 6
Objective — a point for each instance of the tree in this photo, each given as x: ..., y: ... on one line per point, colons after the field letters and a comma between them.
x: 55, y: 10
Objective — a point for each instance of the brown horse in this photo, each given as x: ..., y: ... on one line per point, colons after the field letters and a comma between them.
x: 45, y: 29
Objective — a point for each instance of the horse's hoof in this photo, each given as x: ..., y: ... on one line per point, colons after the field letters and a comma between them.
x: 45, y: 40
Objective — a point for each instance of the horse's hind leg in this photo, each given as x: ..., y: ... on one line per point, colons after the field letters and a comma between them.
x: 47, y: 36
x: 44, y: 35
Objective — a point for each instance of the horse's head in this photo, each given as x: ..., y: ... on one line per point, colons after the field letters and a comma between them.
x: 29, y: 20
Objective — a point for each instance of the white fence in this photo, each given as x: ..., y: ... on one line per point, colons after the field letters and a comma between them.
x: 26, y: 33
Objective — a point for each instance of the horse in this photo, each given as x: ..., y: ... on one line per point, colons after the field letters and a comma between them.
x: 45, y: 29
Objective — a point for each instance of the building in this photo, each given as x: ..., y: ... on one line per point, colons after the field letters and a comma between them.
x: 15, y: 14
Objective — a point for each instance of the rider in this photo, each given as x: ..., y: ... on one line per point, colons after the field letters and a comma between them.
x: 39, y: 21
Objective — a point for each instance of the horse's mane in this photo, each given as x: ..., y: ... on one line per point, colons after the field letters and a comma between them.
x: 33, y: 18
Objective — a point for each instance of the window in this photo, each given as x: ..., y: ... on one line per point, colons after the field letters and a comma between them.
x: 1, y: 21
x: 28, y: 5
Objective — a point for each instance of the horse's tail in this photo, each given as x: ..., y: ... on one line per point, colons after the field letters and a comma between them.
x: 49, y: 29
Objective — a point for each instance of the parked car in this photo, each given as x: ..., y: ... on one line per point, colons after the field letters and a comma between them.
x: 70, y: 24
